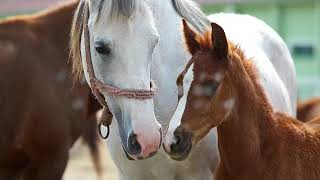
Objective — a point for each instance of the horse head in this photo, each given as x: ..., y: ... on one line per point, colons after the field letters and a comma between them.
x: 200, y: 94
x: 115, y: 41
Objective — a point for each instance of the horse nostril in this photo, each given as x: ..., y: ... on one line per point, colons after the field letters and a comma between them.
x: 176, y: 145
x: 133, y: 145
x: 179, y: 137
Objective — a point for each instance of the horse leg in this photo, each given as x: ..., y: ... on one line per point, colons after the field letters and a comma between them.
x: 51, y: 168
x: 8, y: 174
x: 12, y: 167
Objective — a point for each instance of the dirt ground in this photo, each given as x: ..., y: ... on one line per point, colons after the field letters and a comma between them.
x: 80, y: 166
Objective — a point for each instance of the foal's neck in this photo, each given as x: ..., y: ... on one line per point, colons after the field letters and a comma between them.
x: 245, y: 130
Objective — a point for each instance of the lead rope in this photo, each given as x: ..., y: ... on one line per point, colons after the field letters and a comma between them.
x: 97, y: 86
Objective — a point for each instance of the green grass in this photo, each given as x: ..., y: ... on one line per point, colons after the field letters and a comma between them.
x: 3, y: 16
x: 209, y: 9
x: 18, y: 13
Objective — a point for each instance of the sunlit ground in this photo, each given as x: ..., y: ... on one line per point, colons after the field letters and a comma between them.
x: 80, y: 165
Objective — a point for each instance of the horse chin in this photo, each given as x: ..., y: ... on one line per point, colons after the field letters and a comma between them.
x: 127, y: 155
x: 139, y: 158
x: 183, y: 155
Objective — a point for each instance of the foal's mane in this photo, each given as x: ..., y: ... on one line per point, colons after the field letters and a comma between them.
x: 241, y: 69
x: 236, y: 56
x: 245, y: 76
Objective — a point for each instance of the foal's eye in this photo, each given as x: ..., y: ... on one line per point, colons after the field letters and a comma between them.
x: 101, y: 48
x: 210, y: 88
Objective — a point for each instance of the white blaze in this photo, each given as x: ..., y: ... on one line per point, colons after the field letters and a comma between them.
x: 177, y: 116
x: 218, y: 76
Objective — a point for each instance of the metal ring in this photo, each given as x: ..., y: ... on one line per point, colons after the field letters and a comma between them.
x: 100, y: 133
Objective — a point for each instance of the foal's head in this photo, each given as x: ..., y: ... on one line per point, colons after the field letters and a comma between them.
x: 206, y: 100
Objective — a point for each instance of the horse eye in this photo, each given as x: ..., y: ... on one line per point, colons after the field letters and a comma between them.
x: 101, y: 48
x: 210, y: 88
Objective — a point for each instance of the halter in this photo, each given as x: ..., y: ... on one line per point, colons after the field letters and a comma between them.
x: 97, y: 86
x: 183, y: 73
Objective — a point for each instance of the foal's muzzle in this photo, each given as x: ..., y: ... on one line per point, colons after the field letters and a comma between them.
x: 181, y: 148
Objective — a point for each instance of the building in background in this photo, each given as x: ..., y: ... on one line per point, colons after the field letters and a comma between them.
x: 298, y: 23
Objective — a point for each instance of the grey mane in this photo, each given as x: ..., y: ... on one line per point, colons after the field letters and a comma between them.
x: 190, y: 11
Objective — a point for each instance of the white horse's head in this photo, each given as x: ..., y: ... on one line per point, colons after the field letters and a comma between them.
x: 122, y: 40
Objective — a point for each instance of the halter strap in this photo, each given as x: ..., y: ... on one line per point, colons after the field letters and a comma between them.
x: 181, y: 77
x: 185, y: 70
x: 97, y: 86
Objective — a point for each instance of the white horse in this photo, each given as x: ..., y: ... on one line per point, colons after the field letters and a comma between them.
x: 271, y: 57
x: 135, y: 42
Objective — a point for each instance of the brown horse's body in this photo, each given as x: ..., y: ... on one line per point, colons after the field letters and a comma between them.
x: 255, y: 145
x: 308, y: 109
x: 42, y: 112
x: 255, y: 142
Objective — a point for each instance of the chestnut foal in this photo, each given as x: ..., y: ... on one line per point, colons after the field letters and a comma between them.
x: 255, y: 142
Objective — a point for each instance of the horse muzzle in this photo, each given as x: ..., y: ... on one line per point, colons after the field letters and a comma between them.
x: 180, y: 148
x: 138, y: 148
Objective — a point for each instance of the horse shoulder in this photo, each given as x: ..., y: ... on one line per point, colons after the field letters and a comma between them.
x: 308, y: 109
x: 315, y: 123
x: 296, y: 132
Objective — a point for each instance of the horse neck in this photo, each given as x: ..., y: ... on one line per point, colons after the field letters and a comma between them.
x: 168, y: 24
x: 251, y: 121
x: 56, y: 24
x: 169, y: 59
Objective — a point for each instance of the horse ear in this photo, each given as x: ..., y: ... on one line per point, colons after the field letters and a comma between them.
x: 219, y: 41
x: 191, y: 38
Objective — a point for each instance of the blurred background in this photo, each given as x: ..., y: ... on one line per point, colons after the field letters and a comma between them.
x: 297, y: 21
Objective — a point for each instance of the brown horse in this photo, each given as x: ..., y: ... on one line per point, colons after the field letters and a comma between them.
x: 255, y: 142
x: 308, y: 109
x: 42, y: 111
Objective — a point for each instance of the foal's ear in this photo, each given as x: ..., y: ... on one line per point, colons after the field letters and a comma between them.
x: 191, y: 38
x: 219, y: 41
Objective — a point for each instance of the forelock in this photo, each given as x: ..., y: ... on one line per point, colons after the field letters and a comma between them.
x: 119, y: 9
